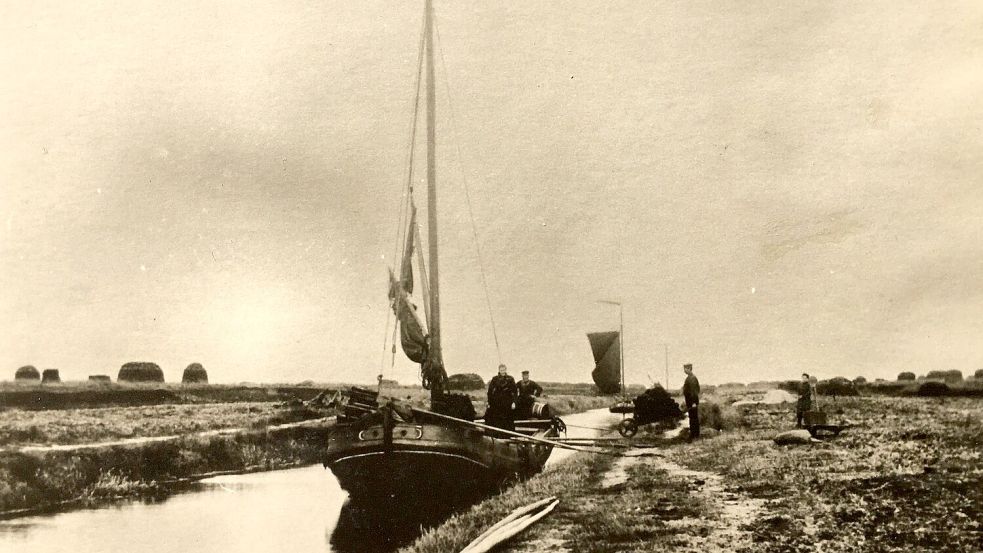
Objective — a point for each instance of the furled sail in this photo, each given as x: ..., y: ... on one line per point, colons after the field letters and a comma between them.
x: 406, y: 269
x: 411, y: 330
x: 411, y: 333
x: 607, y: 361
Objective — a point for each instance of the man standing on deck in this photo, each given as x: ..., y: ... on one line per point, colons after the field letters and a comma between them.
x: 528, y: 392
x: 502, y: 394
x: 691, y: 394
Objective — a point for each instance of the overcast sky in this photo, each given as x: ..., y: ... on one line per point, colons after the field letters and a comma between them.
x: 768, y: 188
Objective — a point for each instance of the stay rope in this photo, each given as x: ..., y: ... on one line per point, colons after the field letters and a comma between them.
x: 467, y: 192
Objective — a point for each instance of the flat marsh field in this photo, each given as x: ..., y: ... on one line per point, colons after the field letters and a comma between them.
x: 907, y: 476
x: 83, y: 413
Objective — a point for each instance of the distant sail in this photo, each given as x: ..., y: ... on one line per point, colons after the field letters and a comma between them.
x: 607, y: 359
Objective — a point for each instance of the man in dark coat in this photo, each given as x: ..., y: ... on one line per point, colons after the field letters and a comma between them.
x: 691, y: 394
x: 805, y: 400
x: 528, y: 392
x: 502, y: 394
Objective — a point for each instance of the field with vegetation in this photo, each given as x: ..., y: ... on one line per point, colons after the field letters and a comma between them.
x: 73, y: 395
x: 85, y: 426
x: 907, y: 475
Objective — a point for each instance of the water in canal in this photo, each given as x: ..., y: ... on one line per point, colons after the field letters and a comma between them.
x: 297, y: 510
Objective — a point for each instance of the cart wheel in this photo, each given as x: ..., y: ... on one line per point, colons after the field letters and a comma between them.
x: 628, y: 427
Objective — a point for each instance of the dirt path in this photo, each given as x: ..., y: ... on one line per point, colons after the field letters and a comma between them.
x: 734, y: 511
x: 688, y: 509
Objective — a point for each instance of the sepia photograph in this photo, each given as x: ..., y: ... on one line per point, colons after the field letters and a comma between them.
x: 432, y: 276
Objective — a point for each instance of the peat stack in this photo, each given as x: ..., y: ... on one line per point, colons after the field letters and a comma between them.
x: 194, y: 374
x: 655, y: 404
x: 466, y: 381
x: 837, y: 386
x: 139, y: 371
x: 949, y: 377
x: 50, y: 376
x: 933, y: 389
x: 100, y: 378
x: 27, y: 373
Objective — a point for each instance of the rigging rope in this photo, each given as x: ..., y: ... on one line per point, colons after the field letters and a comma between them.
x: 407, y: 201
x: 467, y: 192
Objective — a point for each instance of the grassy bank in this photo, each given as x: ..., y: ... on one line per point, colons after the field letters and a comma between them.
x: 589, y: 518
x: 566, y: 482
x: 38, y: 480
x: 908, y: 476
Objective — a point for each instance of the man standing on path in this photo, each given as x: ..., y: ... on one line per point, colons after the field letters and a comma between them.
x: 805, y: 400
x: 691, y: 394
x: 528, y: 392
x: 502, y: 394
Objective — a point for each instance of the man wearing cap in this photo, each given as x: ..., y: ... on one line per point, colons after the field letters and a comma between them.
x: 528, y: 391
x: 691, y: 394
x: 502, y: 394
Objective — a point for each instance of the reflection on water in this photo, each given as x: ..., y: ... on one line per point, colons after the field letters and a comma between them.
x: 298, y: 510
x: 289, y: 510
x: 385, y: 528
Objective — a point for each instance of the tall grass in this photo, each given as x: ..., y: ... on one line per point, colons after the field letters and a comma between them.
x: 37, y: 480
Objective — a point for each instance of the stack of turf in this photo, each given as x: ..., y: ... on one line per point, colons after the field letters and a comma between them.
x: 100, y: 378
x: 655, y: 404
x: 27, y: 373
x: 468, y: 381
x: 50, y: 376
x: 194, y: 374
x: 933, y: 389
x: 138, y: 371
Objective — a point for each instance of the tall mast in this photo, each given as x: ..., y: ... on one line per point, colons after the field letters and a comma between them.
x: 621, y: 343
x: 435, y: 349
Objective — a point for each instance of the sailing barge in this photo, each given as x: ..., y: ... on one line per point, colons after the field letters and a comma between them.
x: 383, y: 451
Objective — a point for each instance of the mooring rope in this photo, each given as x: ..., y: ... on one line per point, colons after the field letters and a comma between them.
x: 532, y: 439
x: 590, y: 428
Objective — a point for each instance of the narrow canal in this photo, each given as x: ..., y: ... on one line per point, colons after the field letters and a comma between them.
x: 299, y: 510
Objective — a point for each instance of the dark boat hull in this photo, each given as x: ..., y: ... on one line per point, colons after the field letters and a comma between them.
x: 429, y: 461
